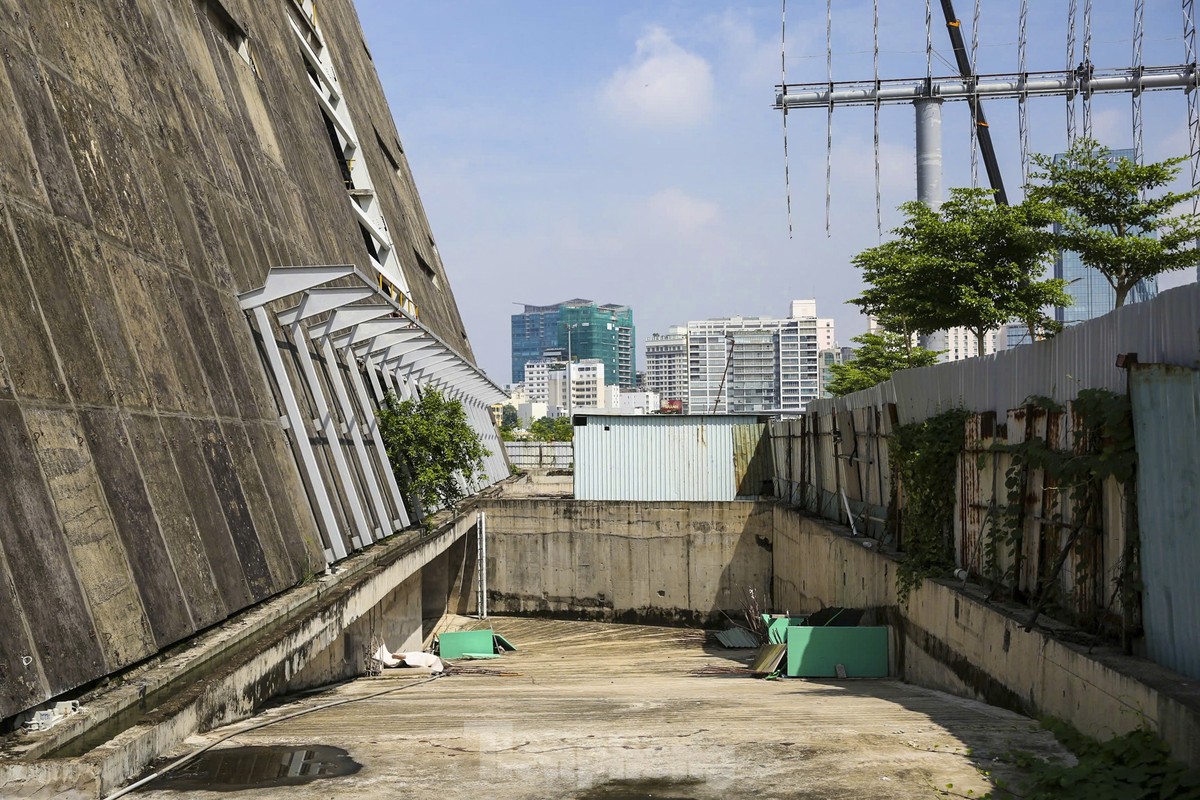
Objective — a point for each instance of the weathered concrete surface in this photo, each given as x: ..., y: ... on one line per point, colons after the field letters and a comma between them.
x: 952, y: 639
x: 320, y: 632
x: 148, y: 174
x: 588, y: 704
x: 650, y: 562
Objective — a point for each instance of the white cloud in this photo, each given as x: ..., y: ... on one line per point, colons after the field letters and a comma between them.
x: 664, y: 86
x: 677, y: 213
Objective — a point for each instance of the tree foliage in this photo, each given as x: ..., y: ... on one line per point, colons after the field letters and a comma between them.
x: 970, y: 263
x: 436, y: 455
x: 509, y: 417
x: 1112, y: 217
x: 878, y: 355
x: 552, y: 429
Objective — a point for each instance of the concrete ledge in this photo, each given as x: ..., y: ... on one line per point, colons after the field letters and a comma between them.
x: 220, y: 677
x: 954, y: 641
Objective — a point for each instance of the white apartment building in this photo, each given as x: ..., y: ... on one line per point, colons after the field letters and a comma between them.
x: 667, y: 364
x: 958, y: 343
x: 638, y: 402
x: 756, y: 364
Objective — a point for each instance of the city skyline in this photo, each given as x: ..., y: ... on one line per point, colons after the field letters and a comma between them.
x: 643, y: 161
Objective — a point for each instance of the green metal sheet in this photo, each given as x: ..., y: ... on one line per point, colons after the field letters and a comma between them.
x: 479, y: 656
x: 816, y: 652
x: 503, y: 644
x: 458, y: 643
x: 777, y: 627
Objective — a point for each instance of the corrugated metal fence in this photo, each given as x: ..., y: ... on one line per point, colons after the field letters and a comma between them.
x: 1166, y: 407
x: 834, y: 461
x: 541, y: 455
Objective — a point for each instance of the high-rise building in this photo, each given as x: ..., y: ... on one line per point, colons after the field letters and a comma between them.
x: 582, y: 330
x: 567, y: 387
x: 667, y: 364
x: 1091, y: 292
x: 754, y: 364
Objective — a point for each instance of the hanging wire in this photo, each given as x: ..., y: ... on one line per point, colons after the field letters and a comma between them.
x: 1072, y: 14
x: 787, y: 180
x: 1022, y: 106
x: 928, y: 39
x: 1189, y: 51
x: 1087, y: 68
x: 975, y: 104
x: 878, y: 197
x: 829, y: 118
x: 1139, y: 15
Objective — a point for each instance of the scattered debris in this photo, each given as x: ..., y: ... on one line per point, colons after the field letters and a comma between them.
x: 47, y: 718
x: 456, y: 644
x: 419, y: 659
x: 737, y: 638
x: 770, y: 656
x: 777, y: 625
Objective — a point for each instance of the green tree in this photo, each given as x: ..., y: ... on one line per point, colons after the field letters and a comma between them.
x: 552, y: 429
x: 436, y: 455
x: 969, y: 263
x: 1113, y: 216
x: 509, y: 418
x: 878, y: 355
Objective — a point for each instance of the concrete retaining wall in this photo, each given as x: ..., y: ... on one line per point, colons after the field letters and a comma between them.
x: 950, y: 639
x: 632, y: 561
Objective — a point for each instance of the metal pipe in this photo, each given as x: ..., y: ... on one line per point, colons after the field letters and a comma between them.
x: 929, y: 151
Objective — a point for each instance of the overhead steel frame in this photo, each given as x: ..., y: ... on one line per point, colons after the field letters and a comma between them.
x: 353, y: 327
x: 927, y: 95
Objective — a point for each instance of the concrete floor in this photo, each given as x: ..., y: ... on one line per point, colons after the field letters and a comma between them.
x: 591, y: 710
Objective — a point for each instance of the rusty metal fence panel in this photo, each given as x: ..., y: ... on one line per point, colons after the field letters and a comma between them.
x: 1166, y: 414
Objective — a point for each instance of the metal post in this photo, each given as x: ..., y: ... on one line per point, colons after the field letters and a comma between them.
x: 483, y: 562
x: 929, y: 150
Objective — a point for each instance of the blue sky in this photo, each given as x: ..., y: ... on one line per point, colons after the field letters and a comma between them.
x: 626, y: 150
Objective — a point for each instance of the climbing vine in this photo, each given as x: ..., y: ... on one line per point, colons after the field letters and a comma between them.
x: 924, y: 459
x: 1135, y: 766
x: 1102, y: 446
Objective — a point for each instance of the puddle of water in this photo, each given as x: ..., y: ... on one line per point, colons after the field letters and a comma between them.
x: 240, y: 768
x: 642, y: 789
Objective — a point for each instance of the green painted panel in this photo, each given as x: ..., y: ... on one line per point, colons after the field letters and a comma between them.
x: 458, y: 643
x: 816, y: 652
x: 503, y: 644
x: 777, y: 627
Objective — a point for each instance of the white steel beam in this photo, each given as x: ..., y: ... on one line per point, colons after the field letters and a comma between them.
x: 285, y: 281
x: 336, y: 548
x: 372, y: 426
x: 1039, y: 84
x: 322, y: 300
x: 354, y: 424
x: 329, y: 427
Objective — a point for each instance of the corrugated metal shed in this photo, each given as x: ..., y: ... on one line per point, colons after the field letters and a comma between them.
x: 1166, y: 419
x: 670, y: 457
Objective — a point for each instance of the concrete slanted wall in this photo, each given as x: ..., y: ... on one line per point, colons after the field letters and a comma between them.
x: 675, y: 563
x: 149, y: 173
